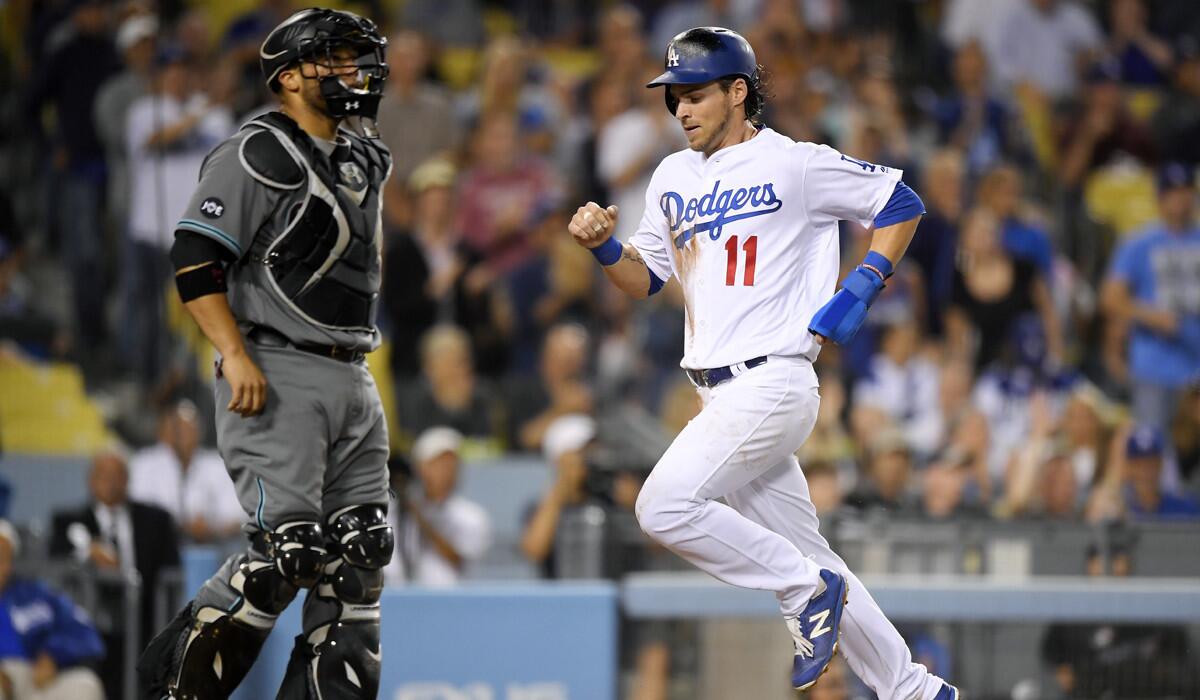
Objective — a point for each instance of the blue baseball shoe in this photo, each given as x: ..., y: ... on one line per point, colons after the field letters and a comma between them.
x: 948, y: 692
x: 815, y: 630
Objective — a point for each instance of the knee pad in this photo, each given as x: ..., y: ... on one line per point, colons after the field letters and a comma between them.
x: 208, y: 650
x: 339, y: 657
x: 298, y: 550
x: 265, y: 592
x: 362, y: 536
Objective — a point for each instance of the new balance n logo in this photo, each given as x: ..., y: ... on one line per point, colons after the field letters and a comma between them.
x: 818, y: 624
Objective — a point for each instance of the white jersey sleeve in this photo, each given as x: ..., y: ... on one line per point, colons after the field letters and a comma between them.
x: 651, y: 236
x: 842, y: 188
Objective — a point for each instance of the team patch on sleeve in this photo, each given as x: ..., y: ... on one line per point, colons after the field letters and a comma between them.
x: 212, y: 208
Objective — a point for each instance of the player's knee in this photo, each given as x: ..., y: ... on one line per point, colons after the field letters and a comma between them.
x: 659, y: 512
x: 354, y: 585
x: 298, y: 550
x: 266, y: 590
x: 362, y: 536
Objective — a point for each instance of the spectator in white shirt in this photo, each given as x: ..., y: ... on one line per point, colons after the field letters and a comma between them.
x: 168, y: 133
x: 1045, y: 44
x: 902, y: 389
x: 187, y: 481
x: 438, y: 532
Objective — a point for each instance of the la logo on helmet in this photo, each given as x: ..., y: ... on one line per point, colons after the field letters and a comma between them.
x: 672, y: 56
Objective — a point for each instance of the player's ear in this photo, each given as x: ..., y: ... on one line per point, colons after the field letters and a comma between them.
x: 290, y: 79
x: 739, y: 91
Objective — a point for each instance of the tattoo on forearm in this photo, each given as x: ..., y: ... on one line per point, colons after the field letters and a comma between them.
x: 631, y: 253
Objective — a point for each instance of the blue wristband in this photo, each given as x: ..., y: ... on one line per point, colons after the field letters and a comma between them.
x: 879, y: 262
x: 608, y: 252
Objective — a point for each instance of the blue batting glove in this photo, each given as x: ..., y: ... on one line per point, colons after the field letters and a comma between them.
x: 840, y: 318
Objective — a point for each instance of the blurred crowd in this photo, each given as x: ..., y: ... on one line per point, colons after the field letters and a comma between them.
x: 1041, y: 340
x: 1037, y: 355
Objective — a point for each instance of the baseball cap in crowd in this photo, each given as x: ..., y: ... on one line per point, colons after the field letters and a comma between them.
x: 1144, y: 441
x: 435, y: 172
x: 1175, y: 174
x: 435, y: 442
x: 135, y: 29
x: 567, y: 434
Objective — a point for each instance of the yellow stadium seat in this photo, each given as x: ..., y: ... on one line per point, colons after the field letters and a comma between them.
x: 1122, y: 197
x: 44, y: 410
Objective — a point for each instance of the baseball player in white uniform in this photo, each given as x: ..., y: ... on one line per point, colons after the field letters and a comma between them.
x: 747, y: 220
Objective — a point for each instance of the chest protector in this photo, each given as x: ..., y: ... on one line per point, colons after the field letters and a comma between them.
x: 326, y: 261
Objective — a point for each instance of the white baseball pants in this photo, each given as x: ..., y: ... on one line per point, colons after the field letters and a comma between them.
x: 741, y: 448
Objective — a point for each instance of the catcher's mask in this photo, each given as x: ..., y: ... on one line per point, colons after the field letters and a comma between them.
x: 349, y: 46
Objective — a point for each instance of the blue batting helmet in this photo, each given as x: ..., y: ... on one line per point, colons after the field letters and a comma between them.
x: 704, y: 54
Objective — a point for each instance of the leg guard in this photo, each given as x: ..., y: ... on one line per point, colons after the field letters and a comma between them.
x: 338, y: 656
x: 207, y: 650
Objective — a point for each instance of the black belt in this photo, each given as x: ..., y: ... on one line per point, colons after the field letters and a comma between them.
x: 271, y: 338
x: 712, y: 377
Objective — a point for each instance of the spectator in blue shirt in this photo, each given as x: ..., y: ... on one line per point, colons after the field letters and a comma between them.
x: 970, y: 118
x: 1153, y: 290
x: 1144, y: 494
x: 45, y: 639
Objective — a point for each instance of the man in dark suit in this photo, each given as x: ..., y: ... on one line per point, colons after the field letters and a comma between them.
x: 112, y: 533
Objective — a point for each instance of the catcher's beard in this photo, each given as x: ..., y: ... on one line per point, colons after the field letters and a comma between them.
x: 315, y: 101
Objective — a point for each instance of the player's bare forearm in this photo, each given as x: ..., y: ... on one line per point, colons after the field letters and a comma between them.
x: 630, y: 273
x: 247, y: 385
x: 213, y: 315
x: 592, y: 227
x: 892, y: 241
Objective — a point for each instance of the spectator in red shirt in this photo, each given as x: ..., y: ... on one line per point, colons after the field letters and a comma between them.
x: 499, y: 195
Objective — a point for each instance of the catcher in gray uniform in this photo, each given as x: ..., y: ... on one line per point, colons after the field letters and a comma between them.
x: 278, y: 259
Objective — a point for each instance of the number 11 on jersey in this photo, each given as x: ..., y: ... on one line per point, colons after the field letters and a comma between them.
x: 731, y: 247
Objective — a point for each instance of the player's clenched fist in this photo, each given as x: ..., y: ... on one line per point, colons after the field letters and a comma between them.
x: 592, y: 225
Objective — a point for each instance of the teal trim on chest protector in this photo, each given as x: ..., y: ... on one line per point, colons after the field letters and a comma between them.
x: 211, y: 231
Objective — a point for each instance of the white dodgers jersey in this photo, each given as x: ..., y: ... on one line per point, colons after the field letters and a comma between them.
x: 751, y: 233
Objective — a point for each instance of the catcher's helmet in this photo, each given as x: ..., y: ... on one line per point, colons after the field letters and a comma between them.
x: 313, y: 35
x: 704, y: 54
